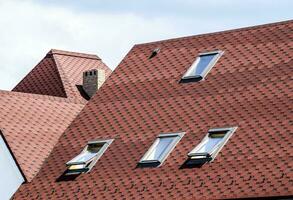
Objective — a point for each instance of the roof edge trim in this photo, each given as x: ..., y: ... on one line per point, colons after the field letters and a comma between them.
x: 217, y: 32
x: 13, y: 156
x: 73, y: 54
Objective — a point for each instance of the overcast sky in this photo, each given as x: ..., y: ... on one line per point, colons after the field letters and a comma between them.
x: 109, y: 28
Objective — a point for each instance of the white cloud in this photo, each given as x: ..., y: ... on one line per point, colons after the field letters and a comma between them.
x: 29, y: 31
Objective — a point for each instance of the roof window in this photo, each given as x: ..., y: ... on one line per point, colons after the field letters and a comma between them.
x: 210, y: 146
x: 160, y: 149
x: 88, y: 157
x: 201, y: 66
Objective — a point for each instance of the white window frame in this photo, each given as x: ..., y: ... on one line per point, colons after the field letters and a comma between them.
x: 176, y: 138
x: 214, y: 152
x: 207, y: 69
x: 106, y: 144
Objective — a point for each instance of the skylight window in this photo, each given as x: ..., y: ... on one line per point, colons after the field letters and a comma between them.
x: 160, y: 149
x: 210, y: 146
x: 202, y: 65
x: 88, y: 157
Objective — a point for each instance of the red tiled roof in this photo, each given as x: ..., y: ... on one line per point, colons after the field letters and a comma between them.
x: 43, y: 79
x: 59, y: 73
x: 249, y: 87
x: 33, y: 117
x: 32, y: 125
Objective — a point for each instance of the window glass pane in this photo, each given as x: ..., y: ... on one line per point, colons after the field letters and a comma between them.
x: 95, y: 148
x: 200, y: 64
x: 203, y: 63
x: 209, y: 144
x: 89, y: 154
x: 84, y: 157
x: 159, y: 149
x: 75, y: 167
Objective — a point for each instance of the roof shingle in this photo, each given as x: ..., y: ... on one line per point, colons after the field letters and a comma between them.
x: 32, y: 125
x: 42, y: 105
x: 59, y: 73
x: 249, y: 87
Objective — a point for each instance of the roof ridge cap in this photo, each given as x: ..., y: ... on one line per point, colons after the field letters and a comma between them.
x: 73, y: 54
x: 64, y: 78
x: 41, y: 96
x: 218, y: 32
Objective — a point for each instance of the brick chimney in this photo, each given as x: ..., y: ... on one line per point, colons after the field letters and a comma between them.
x: 92, y: 81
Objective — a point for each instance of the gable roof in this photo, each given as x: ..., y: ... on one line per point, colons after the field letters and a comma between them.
x: 38, y: 110
x: 249, y: 87
x: 59, y: 74
x: 32, y: 124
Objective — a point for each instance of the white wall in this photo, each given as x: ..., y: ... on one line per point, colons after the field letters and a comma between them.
x: 10, y: 176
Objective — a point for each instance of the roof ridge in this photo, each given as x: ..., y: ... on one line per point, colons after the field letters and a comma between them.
x: 33, y: 71
x: 219, y: 32
x: 64, y: 78
x: 73, y: 54
x: 43, y: 97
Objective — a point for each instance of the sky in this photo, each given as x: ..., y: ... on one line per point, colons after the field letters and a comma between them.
x: 109, y: 28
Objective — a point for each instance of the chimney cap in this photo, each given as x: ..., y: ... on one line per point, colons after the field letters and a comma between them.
x: 90, y: 72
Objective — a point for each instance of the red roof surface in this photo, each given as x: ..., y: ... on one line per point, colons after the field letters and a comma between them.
x: 249, y: 87
x: 59, y: 73
x: 32, y: 125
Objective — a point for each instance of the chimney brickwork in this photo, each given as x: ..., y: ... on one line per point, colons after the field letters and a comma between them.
x: 92, y: 81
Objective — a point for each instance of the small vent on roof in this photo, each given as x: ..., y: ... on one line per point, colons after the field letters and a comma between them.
x: 154, y: 53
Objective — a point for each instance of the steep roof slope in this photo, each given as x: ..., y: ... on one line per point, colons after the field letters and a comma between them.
x: 249, y: 87
x: 43, y: 79
x: 32, y: 124
x: 59, y: 73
